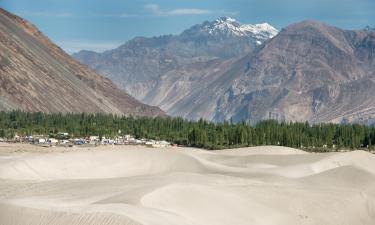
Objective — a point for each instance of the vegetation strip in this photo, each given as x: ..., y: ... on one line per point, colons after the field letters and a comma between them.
x: 202, y: 134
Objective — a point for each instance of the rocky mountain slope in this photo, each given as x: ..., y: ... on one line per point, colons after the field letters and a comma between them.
x: 141, y: 65
x: 309, y: 71
x: 36, y: 75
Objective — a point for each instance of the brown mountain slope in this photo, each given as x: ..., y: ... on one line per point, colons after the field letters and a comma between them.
x: 162, y: 70
x: 36, y: 75
x: 310, y: 71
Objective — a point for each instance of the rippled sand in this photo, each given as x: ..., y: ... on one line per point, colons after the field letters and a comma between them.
x: 178, y: 186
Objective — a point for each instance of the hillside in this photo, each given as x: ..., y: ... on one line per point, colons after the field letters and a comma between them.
x: 309, y: 71
x: 36, y: 75
x: 163, y: 70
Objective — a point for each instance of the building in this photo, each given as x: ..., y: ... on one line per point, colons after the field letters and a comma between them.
x: 157, y: 144
x: 52, y: 141
x: 64, y: 142
x: 94, y: 138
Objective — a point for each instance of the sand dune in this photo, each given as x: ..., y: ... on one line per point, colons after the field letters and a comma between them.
x: 97, y: 164
x: 178, y: 186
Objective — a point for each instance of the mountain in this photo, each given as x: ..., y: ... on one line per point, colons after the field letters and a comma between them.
x: 309, y: 71
x: 36, y: 75
x: 227, y: 27
x: 141, y: 65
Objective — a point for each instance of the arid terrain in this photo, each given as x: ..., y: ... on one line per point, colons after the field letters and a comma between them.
x: 38, y: 76
x: 139, y: 185
x: 309, y: 71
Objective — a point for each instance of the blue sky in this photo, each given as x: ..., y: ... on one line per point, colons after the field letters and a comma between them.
x: 104, y: 24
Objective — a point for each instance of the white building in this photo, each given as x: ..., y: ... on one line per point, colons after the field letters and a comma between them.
x: 158, y: 144
x: 150, y: 143
x: 52, y: 141
x: 94, y: 138
x: 64, y: 142
x: 128, y: 137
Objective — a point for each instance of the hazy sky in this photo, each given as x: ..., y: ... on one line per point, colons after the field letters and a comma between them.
x: 104, y: 24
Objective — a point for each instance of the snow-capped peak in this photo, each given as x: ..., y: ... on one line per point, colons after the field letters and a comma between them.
x: 226, y: 19
x: 230, y: 27
x: 262, y: 30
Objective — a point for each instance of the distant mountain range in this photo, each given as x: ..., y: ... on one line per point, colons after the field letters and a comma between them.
x: 36, y: 75
x: 168, y: 70
x: 223, y: 70
x: 139, y: 65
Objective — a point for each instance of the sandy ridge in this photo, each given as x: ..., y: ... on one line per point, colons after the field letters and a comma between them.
x: 136, y: 185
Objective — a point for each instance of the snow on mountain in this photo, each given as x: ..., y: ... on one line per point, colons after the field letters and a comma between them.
x: 263, y: 30
x: 230, y: 27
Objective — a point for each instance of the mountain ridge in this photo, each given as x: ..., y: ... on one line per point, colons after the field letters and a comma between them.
x: 317, y: 71
x: 37, y: 75
x: 231, y: 27
x: 309, y: 71
x: 138, y: 65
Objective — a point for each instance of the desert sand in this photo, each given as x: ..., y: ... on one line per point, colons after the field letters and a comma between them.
x: 184, y: 186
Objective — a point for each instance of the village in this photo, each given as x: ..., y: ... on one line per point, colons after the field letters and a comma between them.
x: 65, y: 140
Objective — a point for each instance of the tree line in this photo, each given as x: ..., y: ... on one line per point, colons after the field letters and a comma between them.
x: 202, y: 134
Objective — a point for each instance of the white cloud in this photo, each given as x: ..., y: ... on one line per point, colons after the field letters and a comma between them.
x: 154, y: 9
x: 189, y: 12
x: 76, y: 46
x: 157, y: 11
